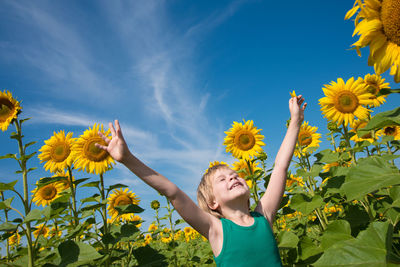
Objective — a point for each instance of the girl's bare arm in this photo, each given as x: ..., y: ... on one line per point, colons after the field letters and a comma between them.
x: 270, y: 201
x: 190, y: 212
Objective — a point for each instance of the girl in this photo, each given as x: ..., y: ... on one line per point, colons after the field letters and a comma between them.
x: 237, y: 236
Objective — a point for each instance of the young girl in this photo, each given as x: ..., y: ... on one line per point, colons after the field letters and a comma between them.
x: 237, y: 236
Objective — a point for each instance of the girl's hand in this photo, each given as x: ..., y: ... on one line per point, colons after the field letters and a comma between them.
x: 116, y: 146
x: 296, y: 111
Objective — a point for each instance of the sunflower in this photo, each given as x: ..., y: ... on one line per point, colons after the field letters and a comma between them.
x: 374, y: 84
x: 65, y: 180
x: 87, y: 156
x: 343, y: 101
x: 9, y: 109
x: 293, y: 179
x: 378, y: 25
x: 215, y: 163
x: 132, y: 218
x: 121, y: 197
x: 391, y: 130
x: 357, y: 125
x: 243, y: 141
x: 152, y: 227
x: 308, y: 140
x: 57, y: 152
x: 14, y: 240
x: 242, y: 165
x: 44, y: 195
x: 41, y: 230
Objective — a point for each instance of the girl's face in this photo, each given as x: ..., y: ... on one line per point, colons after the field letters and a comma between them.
x: 228, y: 186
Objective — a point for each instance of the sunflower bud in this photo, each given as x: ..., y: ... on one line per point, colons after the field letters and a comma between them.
x: 332, y: 126
x: 155, y: 205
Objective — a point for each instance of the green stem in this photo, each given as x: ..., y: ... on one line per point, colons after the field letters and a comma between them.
x: 6, y: 216
x: 170, y: 211
x: 346, y: 137
x: 73, y: 195
x: 104, y: 215
x: 367, y: 207
x: 26, y: 191
x: 390, y: 152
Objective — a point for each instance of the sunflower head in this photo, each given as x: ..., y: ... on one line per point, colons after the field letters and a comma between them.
x: 89, y: 157
x: 14, y: 240
x: 215, y: 163
x: 57, y: 152
x: 378, y: 25
x: 41, y: 229
x: 308, y: 140
x: 391, y: 130
x: 359, y: 124
x: 64, y: 181
x: 121, y: 197
x: 45, y: 194
x: 344, y: 101
x: 244, y: 140
x: 155, y: 204
x: 9, y: 109
x: 244, y: 165
x: 374, y: 83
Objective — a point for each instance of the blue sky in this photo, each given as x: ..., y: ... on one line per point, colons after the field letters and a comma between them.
x: 175, y: 73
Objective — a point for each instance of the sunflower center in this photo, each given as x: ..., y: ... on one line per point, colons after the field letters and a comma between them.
x: 390, y: 16
x: 390, y: 130
x: 346, y: 102
x: 92, y: 152
x: 60, y: 152
x: 123, y: 200
x: 305, y: 139
x: 48, y: 192
x: 245, y: 140
x: 6, y: 108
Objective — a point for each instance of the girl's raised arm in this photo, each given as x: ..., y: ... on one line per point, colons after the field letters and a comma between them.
x: 189, y: 211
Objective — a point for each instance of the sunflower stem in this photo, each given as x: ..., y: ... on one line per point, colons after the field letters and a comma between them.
x: 390, y: 152
x: 22, y: 162
x: 346, y: 137
x: 6, y: 216
x: 73, y: 192
x: 104, y: 215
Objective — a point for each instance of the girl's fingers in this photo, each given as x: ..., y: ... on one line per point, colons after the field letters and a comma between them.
x: 100, y: 146
x: 105, y: 138
x: 304, y: 106
x: 111, y: 129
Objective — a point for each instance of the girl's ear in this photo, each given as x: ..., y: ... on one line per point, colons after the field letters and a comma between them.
x: 213, y: 205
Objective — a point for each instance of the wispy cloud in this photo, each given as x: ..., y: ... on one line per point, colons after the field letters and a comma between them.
x: 59, y: 51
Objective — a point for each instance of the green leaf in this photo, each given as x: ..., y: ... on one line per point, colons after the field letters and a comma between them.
x: 33, y: 215
x: 336, y: 231
x: 370, y: 248
x: 287, y: 240
x: 78, y: 181
x: 116, y: 186
x: 386, y: 91
x: 147, y: 256
x: 306, y: 204
x: 370, y: 174
x: 91, y: 184
x: 9, y: 156
x: 29, y: 144
x: 93, y: 207
x: 6, y: 204
x: 131, y: 208
x: 179, y: 221
x: 7, y: 227
x: 380, y: 120
x: 76, y: 254
x: 95, y: 197
x: 308, y: 248
x: 9, y: 186
x: 327, y: 156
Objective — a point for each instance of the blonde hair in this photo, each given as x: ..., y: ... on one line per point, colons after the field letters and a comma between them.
x: 205, y: 195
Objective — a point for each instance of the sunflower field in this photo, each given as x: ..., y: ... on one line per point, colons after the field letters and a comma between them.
x: 341, y: 206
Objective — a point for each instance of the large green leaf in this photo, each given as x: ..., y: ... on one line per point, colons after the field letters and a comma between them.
x: 370, y: 174
x: 287, y: 240
x: 8, y: 186
x: 33, y: 215
x: 380, y: 120
x: 306, y: 204
x: 76, y: 254
x: 6, y: 204
x: 147, y: 256
x: 308, y: 248
x: 337, y: 231
x: 370, y: 248
x: 131, y: 208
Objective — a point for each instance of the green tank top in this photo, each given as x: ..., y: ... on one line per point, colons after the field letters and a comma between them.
x: 253, y: 245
